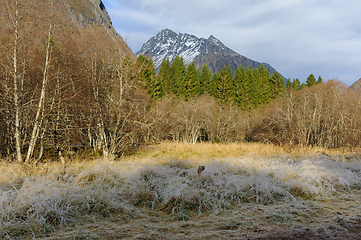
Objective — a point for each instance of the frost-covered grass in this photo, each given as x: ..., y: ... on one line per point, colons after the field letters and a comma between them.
x: 36, y: 204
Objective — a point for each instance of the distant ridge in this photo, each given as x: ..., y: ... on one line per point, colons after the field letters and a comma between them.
x: 168, y: 44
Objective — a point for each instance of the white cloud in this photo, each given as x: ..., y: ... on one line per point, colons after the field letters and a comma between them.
x: 296, y: 37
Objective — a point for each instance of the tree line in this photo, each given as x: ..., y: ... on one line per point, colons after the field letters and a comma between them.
x: 247, y: 88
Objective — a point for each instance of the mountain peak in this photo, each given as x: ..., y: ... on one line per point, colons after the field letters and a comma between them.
x: 166, y: 32
x: 168, y: 44
x: 212, y: 38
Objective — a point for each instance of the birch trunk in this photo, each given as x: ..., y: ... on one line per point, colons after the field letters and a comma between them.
x: 38, y: 119
x: 16, y: 88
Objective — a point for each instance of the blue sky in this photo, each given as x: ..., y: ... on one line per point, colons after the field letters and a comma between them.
x: 297, y: 37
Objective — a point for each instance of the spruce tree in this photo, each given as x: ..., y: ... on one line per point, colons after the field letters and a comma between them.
x: 191, y: 82
x: 178, y: 72
x: 319, y: 80
x: 230, y: 78
x: 296, y: 84
x: 155, y: 88
x: 147, y: 71
x: 303, y: 85
x: 259, y: 86
x: 289, y: 84
x: 165, y: 76
x: 264, y: 86
x: 311, y: 80
x: 241, y: 88
x: 277, y: 84
x: 229, y: 72
x: 212, y: 87
x: 223, y: 88
x: 205, y: 80
x: 254, y: 99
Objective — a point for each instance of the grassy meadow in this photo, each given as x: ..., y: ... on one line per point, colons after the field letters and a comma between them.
x: 246, y: 191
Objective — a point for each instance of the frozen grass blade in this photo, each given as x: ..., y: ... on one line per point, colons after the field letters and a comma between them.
x: 42, y: 203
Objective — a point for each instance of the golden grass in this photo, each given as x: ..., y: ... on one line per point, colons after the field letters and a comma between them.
x: 164, y: 152
x: 185, y: 151
x: 207, y: 151
x: 157, y: 193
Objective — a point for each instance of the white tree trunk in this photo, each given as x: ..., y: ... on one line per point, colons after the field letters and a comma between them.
x: 38, y: 120
x: 16, y: 89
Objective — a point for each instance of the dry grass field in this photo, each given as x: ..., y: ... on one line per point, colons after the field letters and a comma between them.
x: 246, y: 191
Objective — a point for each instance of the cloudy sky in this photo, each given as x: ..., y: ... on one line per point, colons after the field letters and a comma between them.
x: 297, y: 37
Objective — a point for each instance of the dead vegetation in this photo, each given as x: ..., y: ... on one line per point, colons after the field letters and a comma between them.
x: 155, y: 195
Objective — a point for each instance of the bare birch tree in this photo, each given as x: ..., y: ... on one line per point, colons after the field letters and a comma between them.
x: 16, y: 88
x: 12, y: 92
x: 17, y: 101
x: 116, y: 120
x: 39, y: 117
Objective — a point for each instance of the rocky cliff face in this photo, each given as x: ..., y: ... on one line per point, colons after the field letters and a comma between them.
x: 89, y: 12
x: 85, y: 23
x: 168, y: 44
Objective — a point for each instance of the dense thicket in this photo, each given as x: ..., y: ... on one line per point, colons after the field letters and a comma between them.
x: 325, y: 115
x: 54, y: 77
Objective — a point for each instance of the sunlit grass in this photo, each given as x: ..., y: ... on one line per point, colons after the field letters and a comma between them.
x: 164, y: 180
x: 206, y: 151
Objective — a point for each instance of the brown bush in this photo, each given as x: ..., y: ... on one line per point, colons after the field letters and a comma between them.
x: 199, y: 119
x: 325, y: 115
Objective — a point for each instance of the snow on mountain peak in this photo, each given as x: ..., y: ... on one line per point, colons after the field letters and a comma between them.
x: 168, y: 44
